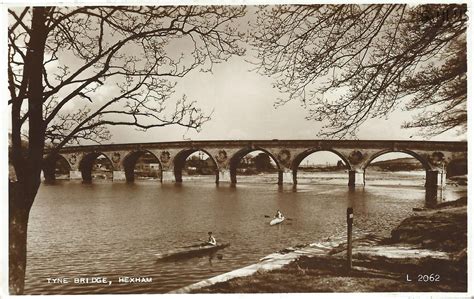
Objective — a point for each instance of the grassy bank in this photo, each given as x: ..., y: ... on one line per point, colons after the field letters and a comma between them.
x: 432, y: 242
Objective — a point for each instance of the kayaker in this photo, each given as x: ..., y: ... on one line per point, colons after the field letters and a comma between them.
x: 211, y: 241
x: 279, y: 215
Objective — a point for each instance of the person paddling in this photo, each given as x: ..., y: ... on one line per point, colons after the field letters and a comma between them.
x: 211, y: 241
x: 279, y: 215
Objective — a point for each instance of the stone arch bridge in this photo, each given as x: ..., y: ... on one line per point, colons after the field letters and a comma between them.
x: 435, y: 156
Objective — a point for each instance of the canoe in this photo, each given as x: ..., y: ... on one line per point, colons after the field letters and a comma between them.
x: 276, y: 221
x: 190, y: 252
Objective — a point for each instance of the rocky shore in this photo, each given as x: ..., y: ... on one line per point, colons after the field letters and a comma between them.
x: 427, y: 252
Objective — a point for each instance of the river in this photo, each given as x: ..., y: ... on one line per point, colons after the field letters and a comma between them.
x: 114, y: 229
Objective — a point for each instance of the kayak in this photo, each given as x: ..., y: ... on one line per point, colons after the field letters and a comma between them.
x: 276, y: 221
x: 189, y: 252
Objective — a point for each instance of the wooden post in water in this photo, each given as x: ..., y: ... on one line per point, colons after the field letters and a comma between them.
x: 350, y: 218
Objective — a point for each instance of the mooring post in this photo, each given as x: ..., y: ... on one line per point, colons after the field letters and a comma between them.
x: 350, y: 218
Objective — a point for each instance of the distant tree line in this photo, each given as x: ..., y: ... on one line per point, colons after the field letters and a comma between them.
x: 402, y: 164
x: 257, y: 164
x: 196, y: 165
x: 325, y: 168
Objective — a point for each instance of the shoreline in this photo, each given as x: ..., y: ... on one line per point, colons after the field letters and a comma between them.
x: 427, y: 252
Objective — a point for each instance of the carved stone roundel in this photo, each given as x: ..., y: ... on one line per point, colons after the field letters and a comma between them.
x: 165, y: 157
x: 355, y: 157
x: 284, y: 156
x: 221, y: 156
x: 116, y: 157
x: 73, y: 159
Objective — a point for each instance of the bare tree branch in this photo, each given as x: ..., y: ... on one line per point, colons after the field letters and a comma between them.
x: 351, y: 63
x: 115, y: 48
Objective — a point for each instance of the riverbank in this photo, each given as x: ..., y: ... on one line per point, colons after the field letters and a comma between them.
x: 427, y: 252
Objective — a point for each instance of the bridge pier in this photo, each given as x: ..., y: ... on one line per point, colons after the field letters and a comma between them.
x: 287, y: 177
x: 224, y: 176
x: 356, y: 178
x: 434, y: 181
x: 431, y: 197
x: 118, y: 175
x: 129, y: 175
x: 280, y: 177
x: 167, y: 176
x: 75, y: 175
x: 431, y: 179
x: 233, y: 176
x: 48, y: 177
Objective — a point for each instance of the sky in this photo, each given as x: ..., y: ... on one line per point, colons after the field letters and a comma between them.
x: 241, y: 104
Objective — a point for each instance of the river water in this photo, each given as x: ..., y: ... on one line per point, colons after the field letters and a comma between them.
x: 114, y: 230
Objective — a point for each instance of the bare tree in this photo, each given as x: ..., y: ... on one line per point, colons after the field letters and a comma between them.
x: 73, y: 71
x: 350, y: 63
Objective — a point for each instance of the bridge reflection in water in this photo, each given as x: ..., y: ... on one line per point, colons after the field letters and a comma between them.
x: 436, y: 157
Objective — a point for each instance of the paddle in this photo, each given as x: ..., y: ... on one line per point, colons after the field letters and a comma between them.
x: 286, y: 218
x: 195, y: 245
x: 189, y: 246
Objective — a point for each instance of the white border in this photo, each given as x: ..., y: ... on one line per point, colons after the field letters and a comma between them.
x: 4, y: 145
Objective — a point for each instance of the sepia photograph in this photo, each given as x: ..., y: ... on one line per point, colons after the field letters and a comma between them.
x: 236, y: 148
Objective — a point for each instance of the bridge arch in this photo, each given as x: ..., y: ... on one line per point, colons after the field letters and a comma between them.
x: 87, y: 162
x: 180, y: 159
x: 130, y: 160
x: 237, y: 157
x: 50, y: 165
x: 431, y: 174
x: 301, y: 156
x: 423, y: 161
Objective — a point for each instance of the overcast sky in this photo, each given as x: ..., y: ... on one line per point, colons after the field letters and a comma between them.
x: 241, y: 102
x: 242, y: 105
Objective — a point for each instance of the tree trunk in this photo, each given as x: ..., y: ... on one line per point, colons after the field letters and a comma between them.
x: 28, y: 167
x: 21, y: 197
